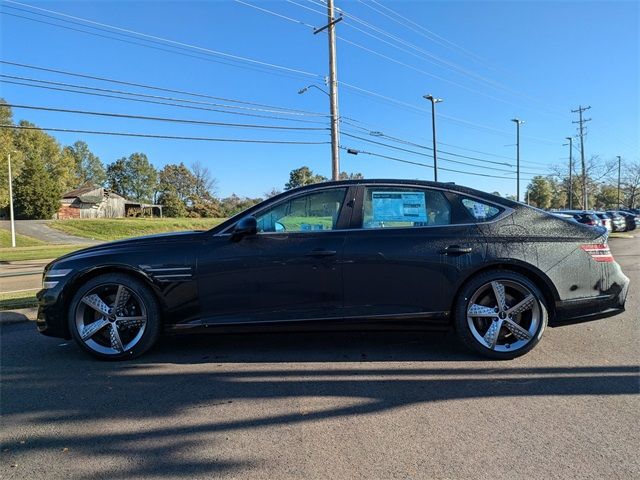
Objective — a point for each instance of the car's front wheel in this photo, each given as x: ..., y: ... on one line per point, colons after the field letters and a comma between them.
x: 501, y: 314
x: 114, y: 316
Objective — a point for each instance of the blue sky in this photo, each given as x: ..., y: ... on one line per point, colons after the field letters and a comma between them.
x: 489, y: 61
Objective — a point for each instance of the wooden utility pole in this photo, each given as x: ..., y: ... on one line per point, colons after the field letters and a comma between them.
x: 333, y: 89
x: 582, y: 121
x: 570, y: 172
x: 619, y: 164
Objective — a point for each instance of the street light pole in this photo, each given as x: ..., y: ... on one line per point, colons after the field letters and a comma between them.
x: 13, y: 223
x: 619, y: 163
x: 433, y: 101
x: 518, y: 122
x: 570, y: 172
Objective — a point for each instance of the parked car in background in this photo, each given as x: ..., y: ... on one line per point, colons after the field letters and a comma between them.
x: 355, y: 255
x: 566, y: 216
x: 584, y: 217
x: 605, y: 220
x: 631, y: 218
x: 618, y: 222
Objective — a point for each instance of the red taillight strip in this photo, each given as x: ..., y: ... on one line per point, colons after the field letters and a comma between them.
x: 600, y: 252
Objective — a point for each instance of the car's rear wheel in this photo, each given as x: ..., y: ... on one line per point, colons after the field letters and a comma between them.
x: 501, y: 314
x: 114, y: 316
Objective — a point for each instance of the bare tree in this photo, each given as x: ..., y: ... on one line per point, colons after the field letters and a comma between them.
x: 206, y: 185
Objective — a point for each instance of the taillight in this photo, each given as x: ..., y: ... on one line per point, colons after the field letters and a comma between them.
x: 599, y: 252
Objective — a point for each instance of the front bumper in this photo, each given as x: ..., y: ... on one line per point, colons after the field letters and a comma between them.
x: 51, y: 319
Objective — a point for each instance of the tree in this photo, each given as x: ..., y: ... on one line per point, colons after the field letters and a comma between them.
x: 272, y: 193
x: 205, y: 186
x: 178, y: 180
x: 302, y: 176
x: 630, y: 185
x: 134, y: 177
x: 235, y: 204
x: 172, y: 206
x: 606, y: 198
x: 7, y: 147
x: 36, y: 191
x: 89, y: 168
x: 539, y: 192
x: 350, y: 176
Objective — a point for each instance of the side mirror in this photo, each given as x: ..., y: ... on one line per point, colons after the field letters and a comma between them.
x: 245, y: 226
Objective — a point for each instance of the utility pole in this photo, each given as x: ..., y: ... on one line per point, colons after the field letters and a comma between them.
x: 518, y: 122
x: 13, y: 223
x: 433, y: 101
x: 333, y: 89
x: 619, y: 163
x: 582, y: 121
x: 570, y: 171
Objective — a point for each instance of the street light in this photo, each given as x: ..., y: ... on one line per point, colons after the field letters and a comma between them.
x: 13, y: 223
x: 433, y: 101
x: 303, y: 90
x: 518, y: 122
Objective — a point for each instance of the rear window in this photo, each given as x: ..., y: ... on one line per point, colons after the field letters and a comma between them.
x: 479, y: 210
x: 402, y: 207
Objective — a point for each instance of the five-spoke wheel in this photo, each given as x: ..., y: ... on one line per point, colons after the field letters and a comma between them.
x: 114, y: 316
x: 501, y: 314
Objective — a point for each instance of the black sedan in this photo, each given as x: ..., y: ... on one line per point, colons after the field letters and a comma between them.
x: 350, y: 255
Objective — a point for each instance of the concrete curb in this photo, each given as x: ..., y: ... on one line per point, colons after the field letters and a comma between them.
x: 19, y: 315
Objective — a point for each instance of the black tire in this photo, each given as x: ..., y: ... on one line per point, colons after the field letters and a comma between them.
x: 467, y: 335
x: 139, y: 294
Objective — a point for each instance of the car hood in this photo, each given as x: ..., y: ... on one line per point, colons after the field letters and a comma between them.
x: 155, y: 240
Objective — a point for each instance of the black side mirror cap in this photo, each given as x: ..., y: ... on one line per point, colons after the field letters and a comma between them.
x: 246, y: 226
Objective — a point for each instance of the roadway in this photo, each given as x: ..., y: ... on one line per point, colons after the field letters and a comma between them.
x: 356, y: 406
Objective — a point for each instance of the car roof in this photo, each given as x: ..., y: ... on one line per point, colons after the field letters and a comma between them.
x: 422, y: 183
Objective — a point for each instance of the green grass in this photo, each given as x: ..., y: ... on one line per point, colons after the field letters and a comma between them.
x: 621, y: 235
x: 118, y: 228
x: 21, y: 240
x: 11, y: 301
x: 41, y: 252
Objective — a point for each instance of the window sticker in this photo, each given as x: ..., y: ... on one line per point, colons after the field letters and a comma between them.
x: 399, y: 207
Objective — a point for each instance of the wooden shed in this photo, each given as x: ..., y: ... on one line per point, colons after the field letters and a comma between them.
x: 91, y: 202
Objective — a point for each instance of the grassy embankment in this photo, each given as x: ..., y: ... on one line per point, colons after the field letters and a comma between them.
x: 10, y: 301
x: 28, y: 248
x: 119, y: 228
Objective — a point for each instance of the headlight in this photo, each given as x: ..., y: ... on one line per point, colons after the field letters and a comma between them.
x: 47, y: 281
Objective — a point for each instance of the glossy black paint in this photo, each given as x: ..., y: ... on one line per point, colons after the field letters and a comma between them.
x: 231, y: 279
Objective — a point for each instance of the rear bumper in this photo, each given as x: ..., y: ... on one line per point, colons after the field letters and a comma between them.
x: 610, y: 303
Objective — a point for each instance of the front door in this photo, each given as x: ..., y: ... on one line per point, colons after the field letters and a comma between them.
x: 290, y: 270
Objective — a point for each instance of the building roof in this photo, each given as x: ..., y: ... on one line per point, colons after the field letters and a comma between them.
x: 84, y: 191
x: 79, y: 191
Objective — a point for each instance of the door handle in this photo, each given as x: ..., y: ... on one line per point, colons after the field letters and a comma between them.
x: 456, y: 250
x: 321, y: 253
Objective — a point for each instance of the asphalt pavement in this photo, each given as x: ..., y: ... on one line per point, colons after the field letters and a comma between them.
x: 335, y: 406
x: 40, y: 229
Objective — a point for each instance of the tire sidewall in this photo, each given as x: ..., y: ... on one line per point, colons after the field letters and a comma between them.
x: 460, y: 315
x: 152, y: 328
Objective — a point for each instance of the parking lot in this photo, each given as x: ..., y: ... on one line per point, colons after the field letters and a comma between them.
x: 347, y: 405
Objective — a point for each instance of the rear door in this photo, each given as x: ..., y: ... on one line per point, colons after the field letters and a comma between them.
x: 406, y: 250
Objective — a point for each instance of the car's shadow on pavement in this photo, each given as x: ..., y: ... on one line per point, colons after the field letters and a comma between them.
x: 136, y: 410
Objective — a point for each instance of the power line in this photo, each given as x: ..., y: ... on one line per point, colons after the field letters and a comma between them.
x: 172, y: 42
x: 192, y: 107
x: 275, y: 14
x: 162, y: 119
x: 396, y: 159
x: 154, y: 87
x: 158, y: 97
x: 424, y: 154
x: 196, y: 56
x: 167, y: 137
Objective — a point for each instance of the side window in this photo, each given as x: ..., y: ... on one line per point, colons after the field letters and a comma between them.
x: 389, y: 207
x: 306, y: 213
x: 479, y: 210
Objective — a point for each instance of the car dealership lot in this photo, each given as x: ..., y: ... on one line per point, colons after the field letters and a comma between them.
x: 329, y: 405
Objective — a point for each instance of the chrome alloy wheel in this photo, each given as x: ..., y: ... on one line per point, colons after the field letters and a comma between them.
x: 111, y: 319
x: 504, y: 315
